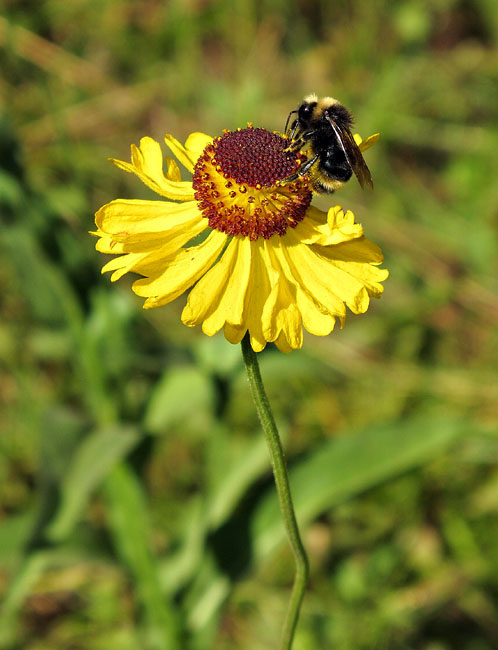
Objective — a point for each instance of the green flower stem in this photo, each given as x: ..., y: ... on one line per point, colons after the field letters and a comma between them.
x: 283, y: 491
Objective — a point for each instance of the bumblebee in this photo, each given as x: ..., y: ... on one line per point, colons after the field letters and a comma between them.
x: 321, y: 129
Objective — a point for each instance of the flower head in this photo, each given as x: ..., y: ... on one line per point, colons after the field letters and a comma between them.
x: 254, y: 252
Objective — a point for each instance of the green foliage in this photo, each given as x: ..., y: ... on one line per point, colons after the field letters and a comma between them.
x: 137, y: 508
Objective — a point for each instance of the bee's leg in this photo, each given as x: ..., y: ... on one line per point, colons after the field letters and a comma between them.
x: 302, y: 170
x: 306, y: 135
x: 295, y: 145
x: 287, y: 123
x: 295, y: 127
x: 300, y: 141
x: 307, y: 165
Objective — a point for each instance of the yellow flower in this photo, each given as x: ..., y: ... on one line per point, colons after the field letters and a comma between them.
x: 254, y: 253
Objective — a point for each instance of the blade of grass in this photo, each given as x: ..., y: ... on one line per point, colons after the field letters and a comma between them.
x: 130, y: 531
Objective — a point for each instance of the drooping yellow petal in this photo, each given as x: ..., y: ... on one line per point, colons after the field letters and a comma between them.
x: 122, y: 265
x: 107, y: 243
x: 258, y: 291
x: 148, y: 231
x: 315, y: 281
x: 230, y: 306
x: 281, y: 318
x: 234, y: 333
x: 180, y: 271
x: 359, y: 259
x: 125, y: 217
x: 219, y: 296
x: 283, y: 343
x: 316, y: 319
x: 202, y: 299
x: 147, y: 164
x: 329, y: 285
x: 151, y: 253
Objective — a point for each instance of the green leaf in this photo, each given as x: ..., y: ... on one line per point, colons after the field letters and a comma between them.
x: 89, y: 466
x: 15, y: 531
x: 25, y: 576
x: 130, y: 531
x: 345, y: 467
x: 183, y: 396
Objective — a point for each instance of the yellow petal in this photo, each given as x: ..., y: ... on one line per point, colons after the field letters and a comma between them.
x: 284, y: 345
x: 126, y: 217
x: 316, y: 318
x: 116, y: 244
x: 338, y: 227
x: 107, y: 244
x: 147, y: 164
x: 281, y: 318
x: 219, y: 296
x: 313, y: 227
x: 179, y: 151
x: 258, y: 291
x: 180, y: 271
x: 234, y: 334
x: 330, y: 286
x: 359, y: 259
x: 366, y: 144
x: 148, y: 258
x: 172, y: 170
x: 357, y: 250
x: 207, y: 292
x: 122, y: 265
x: 195, y: 145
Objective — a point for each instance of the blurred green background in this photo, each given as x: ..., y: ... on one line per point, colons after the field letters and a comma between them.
x: 136, y: 503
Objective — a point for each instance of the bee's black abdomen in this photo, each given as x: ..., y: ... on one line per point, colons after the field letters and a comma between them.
x: 334, y: 164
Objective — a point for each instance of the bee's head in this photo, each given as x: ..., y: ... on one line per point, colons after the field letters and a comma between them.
x: 305, y: 112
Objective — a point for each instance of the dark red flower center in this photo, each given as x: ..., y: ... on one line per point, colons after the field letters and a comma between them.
x: 240, y: 184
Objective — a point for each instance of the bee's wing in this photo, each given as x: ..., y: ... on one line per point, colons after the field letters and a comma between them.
x: 353, y: 154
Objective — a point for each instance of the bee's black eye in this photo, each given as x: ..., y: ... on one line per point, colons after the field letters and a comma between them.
x: 306, y: 111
